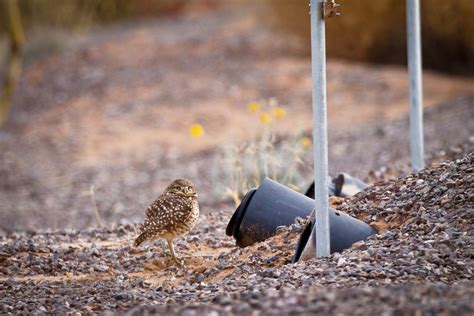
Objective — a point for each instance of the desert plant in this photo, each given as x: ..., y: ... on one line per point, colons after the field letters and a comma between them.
x: 266, y: 155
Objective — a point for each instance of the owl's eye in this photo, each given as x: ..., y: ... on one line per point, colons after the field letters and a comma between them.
x: 190, y: 188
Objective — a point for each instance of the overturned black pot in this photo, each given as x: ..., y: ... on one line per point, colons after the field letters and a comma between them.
x: 343, y: 185
x: 264, y: 209
x: 271, y: 205
x: 331, y: 189
x: 344, y: 231
x: 346, y: 185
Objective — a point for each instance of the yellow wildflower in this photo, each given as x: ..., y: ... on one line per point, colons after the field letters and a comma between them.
x: 305, y: 142
x: 196, y: 130
x: 265, y: 118
x: 253, y: 106
x: 278, y: 112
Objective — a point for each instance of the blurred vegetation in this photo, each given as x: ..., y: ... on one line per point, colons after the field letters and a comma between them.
x: 16, y: 38
x: 375, y: 31
x: 49, y: 23
x: 80, y: 14
x: 266, y: 156
x: 44, y: 27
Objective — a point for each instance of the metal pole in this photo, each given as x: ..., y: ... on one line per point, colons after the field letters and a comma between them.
x: 320, y: 137
x: 416, y: 88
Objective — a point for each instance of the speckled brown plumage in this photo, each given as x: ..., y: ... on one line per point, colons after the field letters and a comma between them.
x: 172, y: 214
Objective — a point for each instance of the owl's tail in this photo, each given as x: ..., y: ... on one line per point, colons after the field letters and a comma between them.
x: 140, y: 239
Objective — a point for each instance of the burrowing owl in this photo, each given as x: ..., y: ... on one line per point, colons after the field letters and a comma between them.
x: 174, y: 213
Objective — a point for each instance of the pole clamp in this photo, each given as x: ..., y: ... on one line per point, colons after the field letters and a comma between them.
x: 330, y: 9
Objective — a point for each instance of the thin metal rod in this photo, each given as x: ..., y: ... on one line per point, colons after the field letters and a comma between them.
x: 320, y: 136
x: 416, y: 87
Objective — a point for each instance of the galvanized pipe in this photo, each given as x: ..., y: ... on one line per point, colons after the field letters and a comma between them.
x: 416, y: 88
x: 320, y: 136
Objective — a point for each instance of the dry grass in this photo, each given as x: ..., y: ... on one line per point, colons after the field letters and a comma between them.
x: 266, y: 155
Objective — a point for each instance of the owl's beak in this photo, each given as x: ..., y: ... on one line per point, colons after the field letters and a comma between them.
x: 190, y: 193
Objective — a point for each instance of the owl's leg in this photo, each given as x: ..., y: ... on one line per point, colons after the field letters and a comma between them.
x: 170, y: 244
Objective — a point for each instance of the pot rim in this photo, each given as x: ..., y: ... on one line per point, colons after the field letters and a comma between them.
x: 233, y: 226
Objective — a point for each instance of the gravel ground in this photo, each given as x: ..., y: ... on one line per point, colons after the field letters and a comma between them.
x: 420, y: 262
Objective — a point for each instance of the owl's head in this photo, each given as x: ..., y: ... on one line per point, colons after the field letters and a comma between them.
x: 181, y: 187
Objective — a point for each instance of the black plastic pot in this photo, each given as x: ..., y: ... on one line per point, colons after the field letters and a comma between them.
x: 344, y: 230
x: 346, y: 185
x: 263, y: 210
x: 271, y: 205
x: 331, y: 188
x: 343, y: 185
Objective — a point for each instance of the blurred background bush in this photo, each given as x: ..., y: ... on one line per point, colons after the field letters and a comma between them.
x: 374, y: 31
x: 48, y: 22
x: 78, y: 14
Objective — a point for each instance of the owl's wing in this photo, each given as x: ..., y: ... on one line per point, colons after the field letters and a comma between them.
x: 166, y: 212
